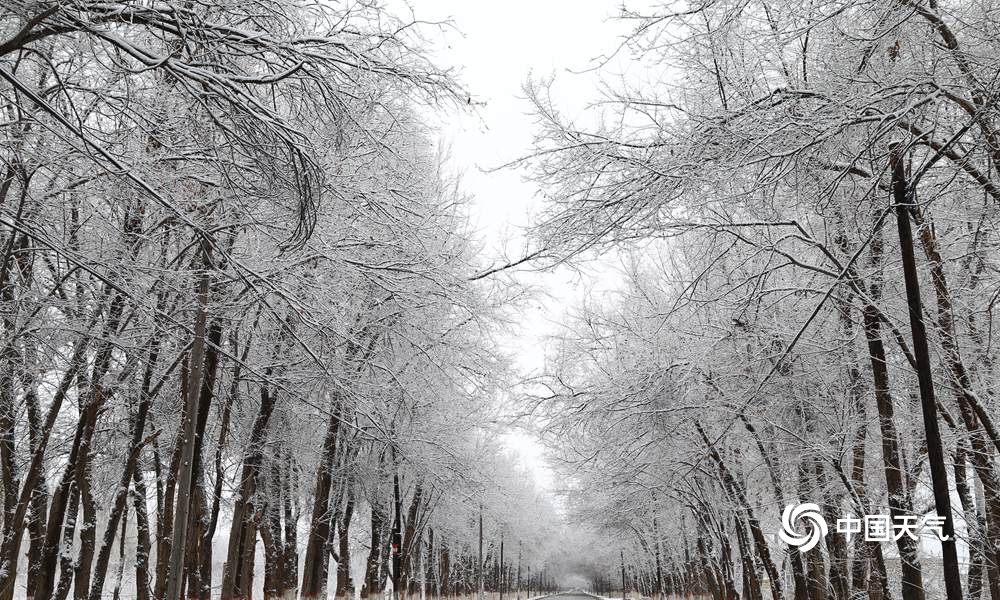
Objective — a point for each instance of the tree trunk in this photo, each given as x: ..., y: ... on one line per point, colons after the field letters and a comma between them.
x: 795, y: 557
x: 345, y: 585
x: 39, y: 496
x: 961, y: 381
x: 143, y: 544
x: 973, y: 520
x: 224, y: 422
x: 68, y: 532
x: 899, y: 503
x: 200, y: 579
x: 444, y: 570
x: 237, y: 576
x: 751, y: 581
x: 121, y: 495
x: 289, y: 485
x: 372, y: 584
x: 117, y: 594
x: 411, y: 537
x: 314, y: 570
x: 185, y: 475
x: 738, y: 493
x: 935, y: 449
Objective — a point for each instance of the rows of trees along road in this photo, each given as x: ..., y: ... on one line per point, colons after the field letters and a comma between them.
x: 235, y: 296
x: 804, y: 196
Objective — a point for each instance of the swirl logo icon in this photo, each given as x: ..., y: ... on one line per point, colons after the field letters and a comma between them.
x: 816, y: 526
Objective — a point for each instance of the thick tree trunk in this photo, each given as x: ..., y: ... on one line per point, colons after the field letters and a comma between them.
x: 935, y: 449
x: 39, y: 496
x: 708, y: 571
x: 372, y: 583
x: 899, y: 502
x: 815, y: 570
x: 188, y: 435
x: 444, y: 570
x: 165, y: 498
x: 199, y: 548
x: 836, y: 546
x: 396, y: 536
x: 10, y: 365
x: 751, y: 581
x: 278, y: 530
x: 237, y: 577
x: 289, y: 483
x: 314, y: 570
x: 411, y: 536
x: 66, y: 559
x: 120, y: 575
x: 345, y: 585
x: 224, y: 422
x: 88, y: 529
x: 270, y: 531
x: 143, y: 544
x: 384, y: 563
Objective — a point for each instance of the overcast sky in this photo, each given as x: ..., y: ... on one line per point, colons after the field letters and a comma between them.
x: 496, y: 48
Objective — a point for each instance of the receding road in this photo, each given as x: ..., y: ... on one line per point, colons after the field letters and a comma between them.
x: 574, y: 595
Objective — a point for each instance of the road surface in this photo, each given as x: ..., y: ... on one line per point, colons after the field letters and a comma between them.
x: 572, y: 595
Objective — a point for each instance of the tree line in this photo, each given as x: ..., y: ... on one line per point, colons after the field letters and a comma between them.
x: 802, y: 198
x: 240, y: 336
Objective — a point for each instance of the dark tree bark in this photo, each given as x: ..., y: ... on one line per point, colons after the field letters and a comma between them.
x: 40, y: 495
x: 751, y: 581
x: 135, y: 448
x: 76, y: 474
x: 277, y: 529
x: 935, y: 449
x: 143, y: 542
x: 199, y: 553
x: 444, y: 570
x: 411, y: 536
x: 899, y: 502
x: 66, y: 560
x: 188, y: 434
x: 736, y: 490
x: 373, y: 580
x: 224, y: 422
x: 345, y: 586
x: 14, y: 528
x: 314, y: 570
x: 237, y: 577
x: 981, y: 433
x: 973, y: 519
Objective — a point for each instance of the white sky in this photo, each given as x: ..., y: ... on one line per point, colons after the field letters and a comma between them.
x: 495, y: 48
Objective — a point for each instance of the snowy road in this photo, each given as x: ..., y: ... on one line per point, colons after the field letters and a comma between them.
x: 572, y: 596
